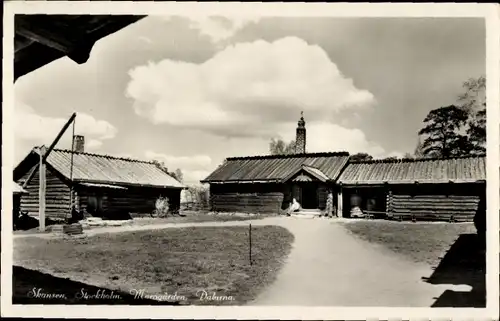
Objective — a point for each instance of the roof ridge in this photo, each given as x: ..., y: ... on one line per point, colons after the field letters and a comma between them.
x: 128, y: 159
x: 414, y: 160
x: 303, y: 155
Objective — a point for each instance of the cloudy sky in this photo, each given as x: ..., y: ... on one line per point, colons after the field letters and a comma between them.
x: 191, y: 92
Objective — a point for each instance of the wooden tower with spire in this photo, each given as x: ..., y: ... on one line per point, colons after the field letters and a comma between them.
x: 300, y: 139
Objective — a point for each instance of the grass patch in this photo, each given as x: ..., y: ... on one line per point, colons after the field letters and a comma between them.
x: 181, y: 261
x: 195, y: 217
x: 420, y: 242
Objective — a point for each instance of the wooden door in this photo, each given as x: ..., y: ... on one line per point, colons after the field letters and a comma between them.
x: 94, y: 204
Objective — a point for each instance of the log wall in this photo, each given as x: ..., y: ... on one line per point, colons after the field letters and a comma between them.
x: 57, y: 197
x: 258, y: 197
x: 135, y: 200
x: 438, y: 202
x: 436, y: 207
x: 248, y: 198
x: 322, y: 197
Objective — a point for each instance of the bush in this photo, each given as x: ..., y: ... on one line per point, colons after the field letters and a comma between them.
x: 161, y: 207
x: 197, y: 198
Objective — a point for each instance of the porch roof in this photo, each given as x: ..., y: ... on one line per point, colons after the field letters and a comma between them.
x: 312, y: 171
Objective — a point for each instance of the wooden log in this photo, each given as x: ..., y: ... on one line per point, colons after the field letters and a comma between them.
x: 42, y: 187
x: 436, y: 196
x: 340, y: 204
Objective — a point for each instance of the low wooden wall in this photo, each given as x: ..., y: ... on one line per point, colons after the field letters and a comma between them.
x: 247, y: 198
x: 137, y: 201
x: 247, y: 203
x: 57, y: 196
x: 436, y: 207
x: 440, y: 202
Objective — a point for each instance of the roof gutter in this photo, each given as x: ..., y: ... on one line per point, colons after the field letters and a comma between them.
x: 371, y: 183
x: 242, y: 181
x: 80, y: 181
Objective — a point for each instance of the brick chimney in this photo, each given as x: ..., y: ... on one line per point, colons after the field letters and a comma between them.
x: 79, y: 143
x: 300, y: 139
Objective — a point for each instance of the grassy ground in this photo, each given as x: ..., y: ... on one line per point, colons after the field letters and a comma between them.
x: 420, y: 242
x: 184, y: 261
x: 198, y: 217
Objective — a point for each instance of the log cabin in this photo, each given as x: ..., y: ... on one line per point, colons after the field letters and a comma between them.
x: 419, y: 189
x: 452, y: 189
x: 95, y: 184
x: 268, y: 184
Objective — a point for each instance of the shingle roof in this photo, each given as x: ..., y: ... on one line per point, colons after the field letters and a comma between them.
x: 458, y: 170
x: 277, y: 167
x: 95, y: 168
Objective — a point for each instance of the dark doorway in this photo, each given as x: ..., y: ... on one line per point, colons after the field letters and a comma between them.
x: 309, y: 196
x: 94, y: 205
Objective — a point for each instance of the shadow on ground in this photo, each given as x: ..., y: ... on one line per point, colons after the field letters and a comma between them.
x: 463, y: 264
x: 33, y: 287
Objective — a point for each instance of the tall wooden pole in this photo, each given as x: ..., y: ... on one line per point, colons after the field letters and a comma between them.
x: 250, y: 242
x: 71, y: 190
x: 340, y: 205
x: 41, y: 190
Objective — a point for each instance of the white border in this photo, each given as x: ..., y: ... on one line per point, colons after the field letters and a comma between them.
x: 488, y: 11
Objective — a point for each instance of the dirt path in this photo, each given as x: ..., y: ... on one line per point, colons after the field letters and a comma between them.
x: 330, y: 267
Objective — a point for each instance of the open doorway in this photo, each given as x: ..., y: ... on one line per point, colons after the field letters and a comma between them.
x: 309, y: 196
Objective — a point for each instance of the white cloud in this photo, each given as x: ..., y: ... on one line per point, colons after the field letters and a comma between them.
x: 194, y: 177
x: 220, y: 28
x: 145, y: 39
x: 33, y: 129
x: 93, y: 144
x: 194, y: 168
x: 245, y: 90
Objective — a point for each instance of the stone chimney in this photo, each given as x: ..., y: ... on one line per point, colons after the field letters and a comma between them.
x: 79, y: 143
x: 300, y: 139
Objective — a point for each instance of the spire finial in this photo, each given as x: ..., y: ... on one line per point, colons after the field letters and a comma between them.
x: 301, y: 122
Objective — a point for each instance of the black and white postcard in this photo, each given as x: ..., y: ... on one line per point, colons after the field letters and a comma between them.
x: 281, y: 160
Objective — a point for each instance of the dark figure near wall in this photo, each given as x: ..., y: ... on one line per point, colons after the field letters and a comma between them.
x: 75, y: 216
x: 480, y: 223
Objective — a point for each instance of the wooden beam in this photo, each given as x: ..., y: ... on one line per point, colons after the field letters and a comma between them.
x: 340, y: 205
x: 30, y: 176
x: 42, y: 189
x: 54, y: 143
x: 41, y: 34
x: 21, y: 42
